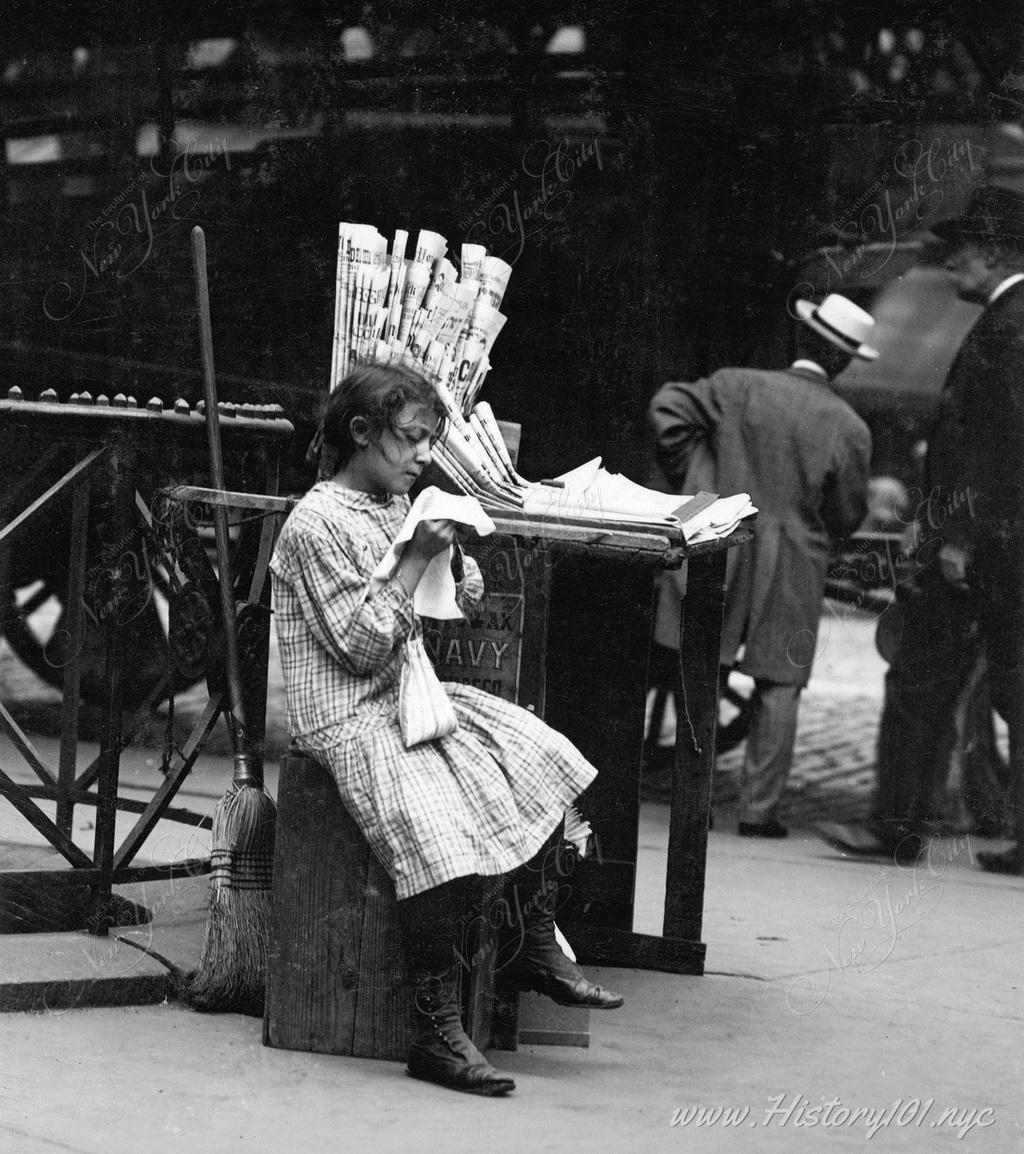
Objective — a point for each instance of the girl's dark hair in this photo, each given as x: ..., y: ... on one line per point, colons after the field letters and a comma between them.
x: 378, y: 393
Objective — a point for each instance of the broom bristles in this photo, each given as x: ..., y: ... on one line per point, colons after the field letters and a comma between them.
x: 232, y: 970
x: 243, y: 821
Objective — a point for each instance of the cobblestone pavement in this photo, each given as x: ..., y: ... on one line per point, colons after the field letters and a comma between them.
x: 833, y: 763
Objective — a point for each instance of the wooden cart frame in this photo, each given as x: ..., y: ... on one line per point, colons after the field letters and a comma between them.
x: 109, y: 450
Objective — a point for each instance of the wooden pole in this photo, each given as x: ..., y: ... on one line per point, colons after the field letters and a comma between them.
x: 245, y: 768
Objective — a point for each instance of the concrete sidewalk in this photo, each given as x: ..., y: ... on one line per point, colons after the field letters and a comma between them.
x: 887, y: 991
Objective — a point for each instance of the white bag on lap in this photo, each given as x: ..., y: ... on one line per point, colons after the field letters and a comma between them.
x: 425, y: 711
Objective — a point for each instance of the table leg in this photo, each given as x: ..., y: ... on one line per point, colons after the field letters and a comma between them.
x: 700, y: 633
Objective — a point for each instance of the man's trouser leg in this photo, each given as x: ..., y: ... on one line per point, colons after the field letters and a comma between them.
x: 1001, y: 612
x: 1008, y: 699
x: 769, y: 753
x: 934, y: 657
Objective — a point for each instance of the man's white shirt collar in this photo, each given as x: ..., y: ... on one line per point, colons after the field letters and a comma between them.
x: 1004, y: 285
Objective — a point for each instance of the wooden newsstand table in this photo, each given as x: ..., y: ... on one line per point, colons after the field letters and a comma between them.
x: 565, y: 630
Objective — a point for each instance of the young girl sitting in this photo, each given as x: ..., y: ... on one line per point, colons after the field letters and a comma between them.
x: 484, y: 800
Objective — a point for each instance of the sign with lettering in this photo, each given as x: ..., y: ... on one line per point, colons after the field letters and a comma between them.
x: 500, y: 646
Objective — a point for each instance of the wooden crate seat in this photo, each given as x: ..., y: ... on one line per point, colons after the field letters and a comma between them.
x: 336, y: 977
x: 336, y: 981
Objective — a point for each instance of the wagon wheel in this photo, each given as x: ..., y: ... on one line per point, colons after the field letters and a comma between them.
x: 737, y: 701
x: 35, y: 624
x: 167, y: 606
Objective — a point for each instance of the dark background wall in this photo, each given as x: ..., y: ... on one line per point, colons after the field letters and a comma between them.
x: 659, y: 193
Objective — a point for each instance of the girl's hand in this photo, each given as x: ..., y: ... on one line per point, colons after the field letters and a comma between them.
x: 431, y: 537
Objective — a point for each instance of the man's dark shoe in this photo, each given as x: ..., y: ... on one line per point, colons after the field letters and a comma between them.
x: 908, y: 849
x: 442, y: 1052
x: 852, y: 839
x: 772, y: 829
x: 1007, y: 862
x: 900, y: 843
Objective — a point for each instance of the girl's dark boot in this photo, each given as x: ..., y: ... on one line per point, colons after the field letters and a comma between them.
x: 442, y: 1052
x: 541, y: 964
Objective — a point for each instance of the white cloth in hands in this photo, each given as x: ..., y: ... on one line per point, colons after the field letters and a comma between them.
x: 434, y: 596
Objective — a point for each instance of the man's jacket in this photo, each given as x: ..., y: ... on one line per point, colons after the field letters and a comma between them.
x: 803, y: 455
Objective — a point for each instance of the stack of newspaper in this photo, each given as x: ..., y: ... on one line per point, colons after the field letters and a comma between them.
x: 420, y: 310
x: 590, y: 492
x: 417, y: 308
x: 410, y: 304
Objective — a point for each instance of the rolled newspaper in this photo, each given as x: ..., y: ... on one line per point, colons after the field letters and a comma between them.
x: 473, y: 256
x: 362, y: 247
x: 496, y: 273
x: 371, y: 286
x: 397, y: 296
x: 396, y: 266
x: 430, y: 247
x: 476, y: 383
x: 444, y: 274
x: 477, y: 339
x: 417, y: 281
x: 483, y: 413
x: 338, y: 308
x: 464, y: 298
x: 497, y: 462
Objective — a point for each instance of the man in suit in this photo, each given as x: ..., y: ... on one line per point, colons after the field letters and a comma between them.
x: 973, y: 510
x: 803, y: 456
x: 969, y: 592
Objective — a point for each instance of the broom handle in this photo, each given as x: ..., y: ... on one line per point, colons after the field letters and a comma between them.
x: 247, y: 770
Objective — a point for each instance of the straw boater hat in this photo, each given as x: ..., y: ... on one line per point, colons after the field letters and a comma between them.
x: 841, y: 322
x: 993, y: 214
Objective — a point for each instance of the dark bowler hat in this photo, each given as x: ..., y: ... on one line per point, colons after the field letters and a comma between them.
x: 992, y: 214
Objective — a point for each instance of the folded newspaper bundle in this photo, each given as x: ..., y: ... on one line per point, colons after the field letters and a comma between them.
x: 589, y: 492
x: 412, y: 305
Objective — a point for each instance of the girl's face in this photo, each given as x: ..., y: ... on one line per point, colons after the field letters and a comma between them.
x: 393, y: 464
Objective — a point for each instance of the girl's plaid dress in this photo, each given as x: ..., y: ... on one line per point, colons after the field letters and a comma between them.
x: 482, y: 800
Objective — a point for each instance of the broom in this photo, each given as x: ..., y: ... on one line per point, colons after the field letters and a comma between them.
x: 232, y: 969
